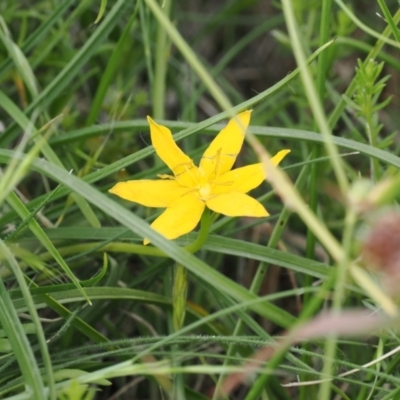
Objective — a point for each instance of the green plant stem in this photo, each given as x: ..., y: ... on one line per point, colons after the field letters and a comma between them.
x: 338, y: 298
x: 144, y: 24
x: 320, y: 87
x: 369, y: 127
x: 179, y: 292
x: 322, y: 67
x: 179, y: 295
x: 163, y: 46
x: 205, y: 225
x: 312, y: 96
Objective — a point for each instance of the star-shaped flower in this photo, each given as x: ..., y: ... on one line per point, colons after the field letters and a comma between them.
x: 213, y: 183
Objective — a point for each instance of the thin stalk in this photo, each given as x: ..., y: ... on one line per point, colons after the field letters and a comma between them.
x: 338, y: 298
x: 179, y: 291
x: 312, y: 96
x: 322, y: 68
x: 163, y: 46
x: 320, y: 87
x: 369, y: 128
x: 179, y: 294
x: 205, y: 224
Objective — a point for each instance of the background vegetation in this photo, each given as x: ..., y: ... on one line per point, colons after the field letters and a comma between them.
x: 86, y: 311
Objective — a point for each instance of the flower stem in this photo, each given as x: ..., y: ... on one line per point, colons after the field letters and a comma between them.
x: 179, y: 294
x: 179, y: 291
x: 206, y: 221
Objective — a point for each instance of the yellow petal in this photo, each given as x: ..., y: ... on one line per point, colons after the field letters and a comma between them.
x: 278, y: 157
x: 241, y: 179
x: 150, y: 193
x: 235, y: 204
x: 246, y: 178
x: 178, y: 162
x: 223, y: 150
x: 180, y: 217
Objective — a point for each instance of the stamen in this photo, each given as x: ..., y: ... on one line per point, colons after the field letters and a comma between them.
x: 165, y: 176
x: 218, y: 164
x: 218, y: 158
x: 185, y: 166
x: 192, y: 180
x: 228, y: 183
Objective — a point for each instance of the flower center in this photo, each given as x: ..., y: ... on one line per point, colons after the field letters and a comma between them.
x: 204, y: 191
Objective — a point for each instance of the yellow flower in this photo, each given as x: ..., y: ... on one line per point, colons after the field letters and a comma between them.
x: 213, y: 183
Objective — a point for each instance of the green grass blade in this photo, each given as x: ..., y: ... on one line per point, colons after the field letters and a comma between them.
x: 41, y: 32
x: 73, y: 68
x: 48, y: 152
x: 19, y: 60
x: 389, y: 19
x: 366, y: 28
x: 21, y: 210
x: 17, y: 337
x: 112, y: 66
